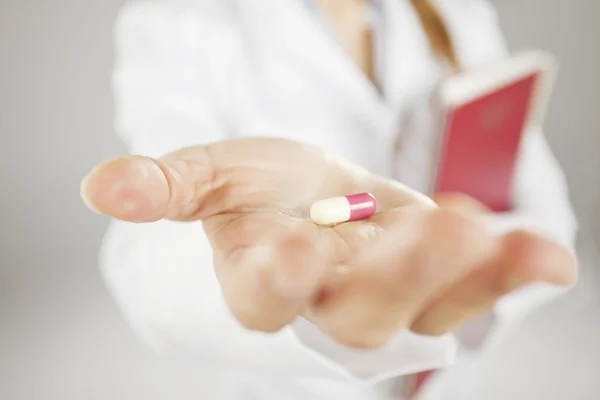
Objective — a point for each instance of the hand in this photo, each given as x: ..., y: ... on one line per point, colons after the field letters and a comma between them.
x: 412, y: 265
x: 460, y: 202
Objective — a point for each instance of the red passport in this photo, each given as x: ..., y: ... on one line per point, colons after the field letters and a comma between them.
x: 485, y: 115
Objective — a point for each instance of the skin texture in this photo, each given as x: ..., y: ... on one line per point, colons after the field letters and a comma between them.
x: 412, y: 265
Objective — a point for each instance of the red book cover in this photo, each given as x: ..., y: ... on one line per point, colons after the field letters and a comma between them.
x: 480, y: 143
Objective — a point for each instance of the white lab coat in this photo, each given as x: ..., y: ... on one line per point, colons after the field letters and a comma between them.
x: 194, y: 71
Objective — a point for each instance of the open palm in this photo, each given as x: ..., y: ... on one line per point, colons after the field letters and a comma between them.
x: 412, y: 265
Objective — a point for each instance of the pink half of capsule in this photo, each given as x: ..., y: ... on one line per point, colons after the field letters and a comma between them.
x: 341, y: 209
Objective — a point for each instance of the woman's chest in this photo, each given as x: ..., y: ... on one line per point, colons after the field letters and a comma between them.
x: 340, y: 114
x: 279, y: 99
x: 295, y: 81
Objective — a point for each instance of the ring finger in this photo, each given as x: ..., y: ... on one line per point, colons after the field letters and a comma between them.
x: 420, y: 256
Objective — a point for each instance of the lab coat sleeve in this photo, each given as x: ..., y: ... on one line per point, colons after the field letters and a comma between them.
x: 169, y: 85
x: 541, y: 199
x: 541, y: 205
x: 164, y: 82
x: 161, y: 104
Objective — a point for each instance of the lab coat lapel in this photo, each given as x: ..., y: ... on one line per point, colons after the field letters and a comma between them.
x: 302, y: 40
x: 409, y: 67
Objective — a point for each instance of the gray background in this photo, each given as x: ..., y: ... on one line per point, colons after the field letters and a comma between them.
x: 61, y: 337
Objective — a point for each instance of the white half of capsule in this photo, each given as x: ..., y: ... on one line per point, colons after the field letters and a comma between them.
x: 331, y: 211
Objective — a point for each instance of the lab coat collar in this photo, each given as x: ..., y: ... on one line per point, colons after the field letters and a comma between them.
x: 300, y: 37
x: 297, y: 37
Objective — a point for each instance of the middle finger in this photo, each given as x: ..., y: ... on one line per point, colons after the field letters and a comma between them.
x: 420, y: 255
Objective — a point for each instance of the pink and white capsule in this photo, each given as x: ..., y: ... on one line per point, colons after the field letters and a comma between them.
x: 337, y: 210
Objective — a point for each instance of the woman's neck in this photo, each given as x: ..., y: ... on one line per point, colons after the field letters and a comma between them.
x: 351, y: 27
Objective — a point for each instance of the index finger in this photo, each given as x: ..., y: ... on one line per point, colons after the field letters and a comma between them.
x: 270, y: 266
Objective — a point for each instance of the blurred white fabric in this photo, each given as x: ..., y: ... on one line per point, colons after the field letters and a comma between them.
x: 61, y: 337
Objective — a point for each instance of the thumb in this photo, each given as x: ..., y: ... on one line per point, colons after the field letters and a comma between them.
x: 142, y: 189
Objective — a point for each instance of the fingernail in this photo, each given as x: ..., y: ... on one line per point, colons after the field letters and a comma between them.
x: 85, y: 198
